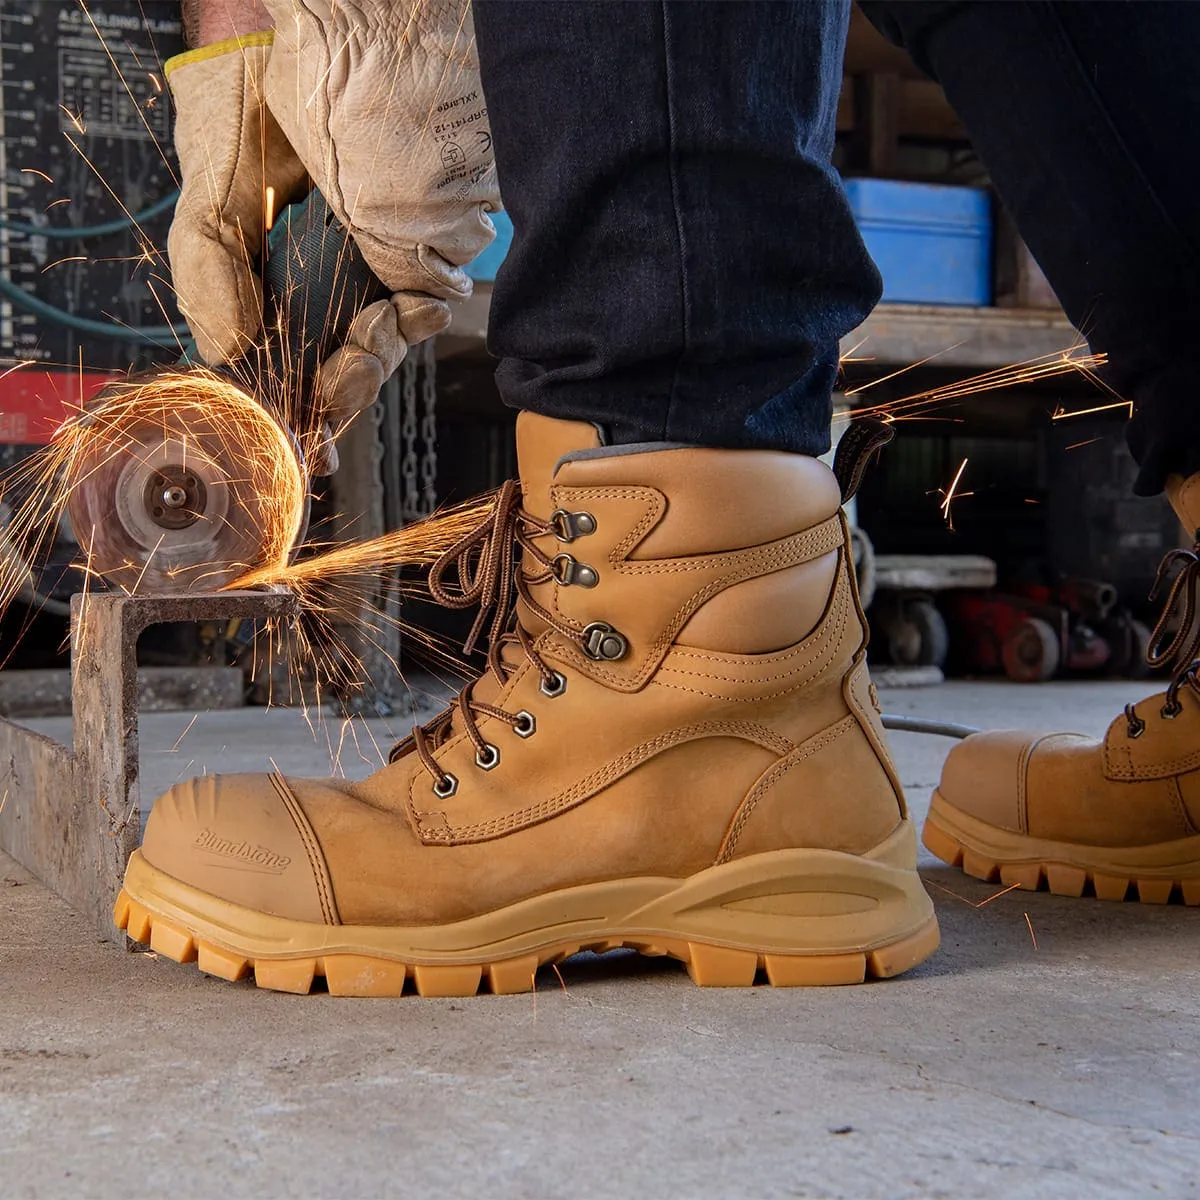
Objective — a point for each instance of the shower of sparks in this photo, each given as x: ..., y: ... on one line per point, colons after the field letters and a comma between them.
x: 1047, y: 366
x: 1085, y: 442
x: 950, y: 494
x: 1032, y: 935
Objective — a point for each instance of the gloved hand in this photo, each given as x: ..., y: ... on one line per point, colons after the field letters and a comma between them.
x: 231, y: 150
x: 381, y: 103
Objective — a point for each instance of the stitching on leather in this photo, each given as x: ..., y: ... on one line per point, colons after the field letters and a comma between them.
x: 1022, y: 814
x: 312, y: 849
x: 1185, y: 820
x: 819, y: 661
x: 656, y: 501
x: 801, y: 754
x: 776, y: 555
x: 596, y: 782
x: 657, y: 506
x: 1130, y: 773
x: 816, y: 548
x: 857, y: 678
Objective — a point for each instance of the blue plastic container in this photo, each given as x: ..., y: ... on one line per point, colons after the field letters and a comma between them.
x: 932, y: 244
x: 484, y: 266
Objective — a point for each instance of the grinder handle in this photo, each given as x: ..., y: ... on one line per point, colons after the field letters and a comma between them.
x: 315, y: 282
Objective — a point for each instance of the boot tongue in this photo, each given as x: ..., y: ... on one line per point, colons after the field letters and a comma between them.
x: 1184, y: 495
x: 541, y: 443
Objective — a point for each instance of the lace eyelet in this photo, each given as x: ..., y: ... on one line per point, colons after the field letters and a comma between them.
x: 570, y: 572
x: 445, y: 787
x: 555, y: 686
x: 568, y: 526
x: 1136, y: 730
x: 1170, y: 711
x: 602, y: 643
x: 525, y: 725
x: 486, y: 761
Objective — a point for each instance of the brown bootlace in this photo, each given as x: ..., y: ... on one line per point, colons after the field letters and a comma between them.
x: 487, y: 572
x: 1179, y: 650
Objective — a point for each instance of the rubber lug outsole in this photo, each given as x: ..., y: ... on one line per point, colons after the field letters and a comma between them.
x: 1060, y: 879
x: 366, y: 975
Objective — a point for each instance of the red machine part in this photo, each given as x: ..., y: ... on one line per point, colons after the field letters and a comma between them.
x: 34, y: 400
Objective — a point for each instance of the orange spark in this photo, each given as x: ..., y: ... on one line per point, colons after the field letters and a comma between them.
x: 948, y: 496
x: 996, y: 895
x: 1061, y: 414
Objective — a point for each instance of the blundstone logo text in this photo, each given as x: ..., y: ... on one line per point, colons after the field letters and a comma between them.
x: 254, y: 857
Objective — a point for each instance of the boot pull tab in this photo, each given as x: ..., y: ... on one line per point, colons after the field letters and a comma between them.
x: 865, y: 437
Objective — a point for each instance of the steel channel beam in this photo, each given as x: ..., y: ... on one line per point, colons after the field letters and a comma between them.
x: 73, y: 816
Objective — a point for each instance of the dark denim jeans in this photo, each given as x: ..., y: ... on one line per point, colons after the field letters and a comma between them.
x: 684, y: 261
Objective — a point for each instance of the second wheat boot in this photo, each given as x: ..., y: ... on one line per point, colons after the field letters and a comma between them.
x: 675, y: 747
x: 1120, y: 816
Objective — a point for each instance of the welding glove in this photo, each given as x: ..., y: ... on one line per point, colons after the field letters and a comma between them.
x: 380, y: 101
x: 231, y: 150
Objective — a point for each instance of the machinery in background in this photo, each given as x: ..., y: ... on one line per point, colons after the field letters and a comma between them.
x: 1037, y: 631
x: 87, y: 187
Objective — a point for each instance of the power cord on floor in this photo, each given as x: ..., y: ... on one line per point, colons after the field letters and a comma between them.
x: 920, y: 725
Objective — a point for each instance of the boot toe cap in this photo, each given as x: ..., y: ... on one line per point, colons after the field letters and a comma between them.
x: 245, y: 839
x: 985, y: 776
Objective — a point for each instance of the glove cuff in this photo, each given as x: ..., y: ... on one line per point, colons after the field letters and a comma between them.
x: 214, y: 50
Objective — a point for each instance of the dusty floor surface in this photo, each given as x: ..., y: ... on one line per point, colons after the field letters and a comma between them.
x: 999, y: 1068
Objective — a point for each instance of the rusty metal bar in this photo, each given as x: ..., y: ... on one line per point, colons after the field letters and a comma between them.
x: 73, y: 816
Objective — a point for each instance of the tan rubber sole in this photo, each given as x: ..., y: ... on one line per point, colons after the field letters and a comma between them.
x: 1152, y: 874
x: 800, y: 917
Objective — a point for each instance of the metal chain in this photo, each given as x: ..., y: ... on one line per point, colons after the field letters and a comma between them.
x: 410, y: 502
x: 429, y: 463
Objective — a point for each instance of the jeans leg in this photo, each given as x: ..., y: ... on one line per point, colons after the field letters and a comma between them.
x: 1085, y: 115
x: 684, y: 261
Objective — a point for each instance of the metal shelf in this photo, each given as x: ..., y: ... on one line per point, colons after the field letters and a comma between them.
x: 973, y: 338
x: 893, y: 335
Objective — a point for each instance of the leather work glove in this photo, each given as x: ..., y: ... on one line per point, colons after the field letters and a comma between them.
x: 379, y: 103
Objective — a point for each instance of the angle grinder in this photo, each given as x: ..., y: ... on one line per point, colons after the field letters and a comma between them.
x: 186, y: 478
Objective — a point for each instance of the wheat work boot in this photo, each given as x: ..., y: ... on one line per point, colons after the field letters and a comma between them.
x: 675, y: 747
x: 1122, y: 815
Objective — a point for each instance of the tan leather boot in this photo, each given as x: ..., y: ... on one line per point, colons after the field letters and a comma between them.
x: 1068, y: 811
x: 675, y: 747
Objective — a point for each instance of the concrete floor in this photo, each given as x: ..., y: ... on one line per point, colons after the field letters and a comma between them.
x: 999, y: 1068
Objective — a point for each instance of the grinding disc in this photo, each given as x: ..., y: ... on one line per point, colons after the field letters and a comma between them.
x: 169, y: 499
